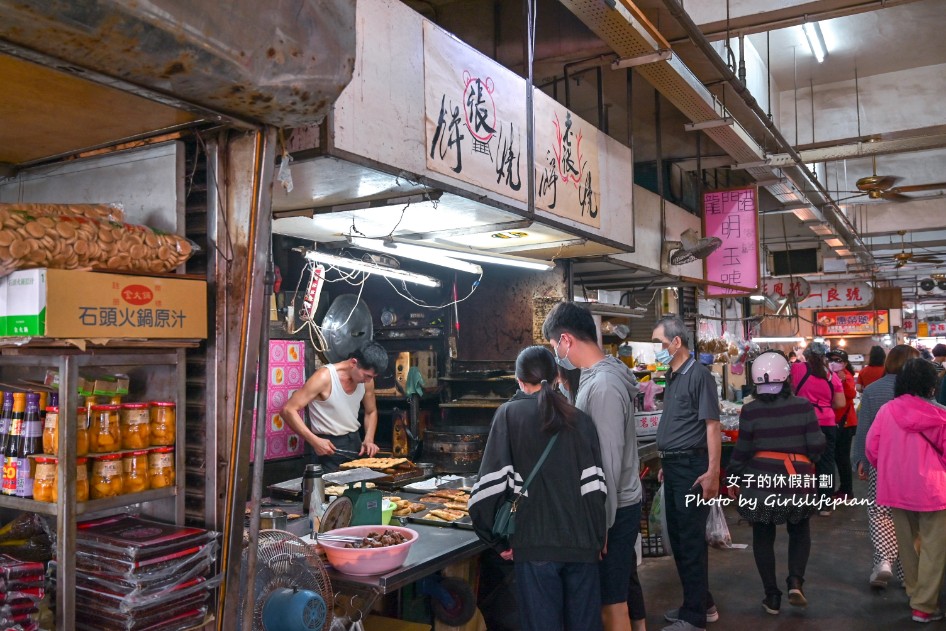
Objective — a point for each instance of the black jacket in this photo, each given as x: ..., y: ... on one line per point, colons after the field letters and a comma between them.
x: 562, y: 516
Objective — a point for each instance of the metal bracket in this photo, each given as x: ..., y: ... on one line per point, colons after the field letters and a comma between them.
x: 661, y: 54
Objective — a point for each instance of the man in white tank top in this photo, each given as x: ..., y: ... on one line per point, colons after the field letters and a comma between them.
x: 332, y: 397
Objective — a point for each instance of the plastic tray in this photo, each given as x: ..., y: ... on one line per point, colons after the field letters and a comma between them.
x: 184, y: 620
x: 133, y: 539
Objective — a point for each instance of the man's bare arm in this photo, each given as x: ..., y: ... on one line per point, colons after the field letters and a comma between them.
x: 314, y: 386
x: 368, y: 446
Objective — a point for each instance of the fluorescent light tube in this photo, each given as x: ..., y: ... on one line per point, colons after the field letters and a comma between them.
x: 481, y: 256
x: 371, y: 268
x: 775, y: 340
x: 815, y: 40
x: 425, y: 255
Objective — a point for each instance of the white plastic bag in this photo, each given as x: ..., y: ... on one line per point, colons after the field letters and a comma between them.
x: 717, y: 531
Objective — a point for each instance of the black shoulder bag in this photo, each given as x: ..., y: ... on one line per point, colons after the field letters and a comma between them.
x: 504, y: 524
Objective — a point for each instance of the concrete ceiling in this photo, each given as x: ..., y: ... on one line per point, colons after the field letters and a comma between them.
x: 882, y: 81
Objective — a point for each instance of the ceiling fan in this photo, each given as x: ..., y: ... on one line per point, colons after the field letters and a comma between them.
x: 882, y: 187
x: 903, y: 257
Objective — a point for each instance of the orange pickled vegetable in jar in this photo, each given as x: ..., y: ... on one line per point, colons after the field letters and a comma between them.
x: 44, y: 480
x: 163, y: 422
x: 104, y: 428
x: 161, y: 467
x: 51, y: 431
x: 82, y: 432
x: 106, y: 476
x: 136, y: 426
x: 82, y: 480
x: 135, y: 477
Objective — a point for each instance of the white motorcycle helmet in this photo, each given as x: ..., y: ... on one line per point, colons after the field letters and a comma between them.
x: 769, y: 371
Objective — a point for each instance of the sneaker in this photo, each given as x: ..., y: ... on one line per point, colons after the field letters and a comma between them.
x: 712, y: 614
x: 772, y: 603
x: 796, y: 597
x: 824, y: 513
x: 881, y: 574
x: 682, y: 625
x: 922, y: 616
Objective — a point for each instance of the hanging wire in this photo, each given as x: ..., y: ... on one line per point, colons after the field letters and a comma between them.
x: 420, y: 303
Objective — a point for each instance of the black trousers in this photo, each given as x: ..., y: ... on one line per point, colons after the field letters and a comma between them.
x: 763, y: 549
x: 686, y: 529
x: 842, y: 455
x: 825, y: 466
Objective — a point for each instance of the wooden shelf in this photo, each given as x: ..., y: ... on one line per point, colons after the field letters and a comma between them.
x: 59, y: 345
x: 478, y: 379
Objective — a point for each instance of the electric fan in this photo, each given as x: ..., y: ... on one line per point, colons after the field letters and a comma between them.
x: 291, y: 590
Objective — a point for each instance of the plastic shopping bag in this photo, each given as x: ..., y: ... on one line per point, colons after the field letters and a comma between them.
x: 655, y: 520
x: 717, y: 532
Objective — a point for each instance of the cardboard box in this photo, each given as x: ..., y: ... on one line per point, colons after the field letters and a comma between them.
x: 77, y: 304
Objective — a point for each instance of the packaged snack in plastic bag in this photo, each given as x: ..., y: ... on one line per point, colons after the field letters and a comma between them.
x: 64, y: 242
x: 106, y: 212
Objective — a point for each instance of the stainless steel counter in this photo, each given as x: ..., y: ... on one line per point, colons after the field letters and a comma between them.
x: 436, y: 548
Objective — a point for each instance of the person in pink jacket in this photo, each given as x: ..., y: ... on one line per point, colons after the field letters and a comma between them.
x: 906, y: 445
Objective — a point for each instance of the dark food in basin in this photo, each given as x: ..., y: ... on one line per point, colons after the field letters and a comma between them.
x: 379, y: 540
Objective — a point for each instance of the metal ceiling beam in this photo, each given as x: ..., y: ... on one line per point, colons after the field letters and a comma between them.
x: 862, y: 149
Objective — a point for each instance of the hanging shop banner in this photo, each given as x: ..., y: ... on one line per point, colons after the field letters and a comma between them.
x: 845, y: 323
x: 909, y: 326
x: 781, y: 288
x: 936, y: 329
x: 475, y: 116
x: 732, y: 216
x: 838, y: 295
x: 567, y: 178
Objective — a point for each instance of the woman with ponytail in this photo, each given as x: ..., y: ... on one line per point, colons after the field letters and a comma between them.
x: 560, y: 521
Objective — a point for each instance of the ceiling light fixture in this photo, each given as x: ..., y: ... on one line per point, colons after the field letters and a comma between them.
x: 371, y: 268
x: 425, y: 255
x: 469, y: 254
x: 725, y: 121
x: 815, y: 40
x: 776, y: 340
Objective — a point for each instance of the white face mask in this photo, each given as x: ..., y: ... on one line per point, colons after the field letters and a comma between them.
x: 835, y: 366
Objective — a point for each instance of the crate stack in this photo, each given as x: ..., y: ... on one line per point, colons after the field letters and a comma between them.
x: 21, y: 589
x: 135, y: 574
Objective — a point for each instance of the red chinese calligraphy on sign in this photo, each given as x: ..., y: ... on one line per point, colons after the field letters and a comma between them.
x: 844, y: 323
x: 732, y: 216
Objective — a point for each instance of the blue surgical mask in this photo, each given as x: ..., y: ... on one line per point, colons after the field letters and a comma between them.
x: 561, y: 388
x: 564, y: 362
x: 663, y: 356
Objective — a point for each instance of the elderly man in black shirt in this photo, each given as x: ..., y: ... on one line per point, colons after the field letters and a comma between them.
x: 688, y: 443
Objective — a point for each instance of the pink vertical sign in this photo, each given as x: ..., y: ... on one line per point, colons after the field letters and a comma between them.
x: 733, y: 216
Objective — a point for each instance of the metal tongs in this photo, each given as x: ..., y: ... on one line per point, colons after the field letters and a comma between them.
x: 322, y: 536
x: 348, y: 454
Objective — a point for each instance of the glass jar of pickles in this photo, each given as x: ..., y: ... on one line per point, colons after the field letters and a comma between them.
x: 163, y: 422
x: 135, y: 477
x: 136, y: 426
x: 82, y: 433
x: 161, y: 467
x: 106, y: 476
x: 44, y: 480
x: 104, y: 429
x: 51, y: 431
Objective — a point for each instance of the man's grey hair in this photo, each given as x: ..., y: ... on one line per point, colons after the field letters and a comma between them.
x: 674, y: 327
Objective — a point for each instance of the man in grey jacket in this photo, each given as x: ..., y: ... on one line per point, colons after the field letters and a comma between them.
x: 606, y: 393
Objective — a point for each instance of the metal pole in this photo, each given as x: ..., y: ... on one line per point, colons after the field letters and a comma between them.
x: 256, y: 492
x: 528, y: 53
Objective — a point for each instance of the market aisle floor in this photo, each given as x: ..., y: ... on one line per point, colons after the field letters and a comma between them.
x: 839, y: 596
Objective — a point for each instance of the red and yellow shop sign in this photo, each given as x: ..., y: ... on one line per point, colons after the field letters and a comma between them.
x: 845, y: 323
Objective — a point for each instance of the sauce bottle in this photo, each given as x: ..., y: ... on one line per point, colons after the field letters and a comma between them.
x: 10, y: 460
x: 30, y: 442
x: 5, y: 417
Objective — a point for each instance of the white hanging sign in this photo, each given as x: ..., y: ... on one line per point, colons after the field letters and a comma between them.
x: 838, y: 295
